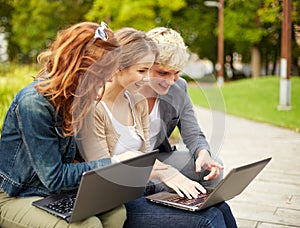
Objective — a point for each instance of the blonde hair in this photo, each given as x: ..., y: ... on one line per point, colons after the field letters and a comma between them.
x: 135, y: 45
x: 171, y: 47
x: 75, y: 67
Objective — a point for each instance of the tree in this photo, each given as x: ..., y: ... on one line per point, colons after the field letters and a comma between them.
x: 252, y: 28
x: 248, y: 24
x: 243, y: 27
x: 198, y: 26
x: 140, y: 14
x: 35, y: 23
x: 6, y: 25
x: 259, y: 22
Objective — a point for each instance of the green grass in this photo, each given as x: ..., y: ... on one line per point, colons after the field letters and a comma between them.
x: 12, y: 79
x: 255, y: 99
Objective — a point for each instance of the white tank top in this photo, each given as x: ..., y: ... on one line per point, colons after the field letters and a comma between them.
x: 129, y: 139
x: 155, y: 123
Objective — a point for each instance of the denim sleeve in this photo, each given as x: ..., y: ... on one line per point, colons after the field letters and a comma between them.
x: 192, y: 135
x: 46, y: 149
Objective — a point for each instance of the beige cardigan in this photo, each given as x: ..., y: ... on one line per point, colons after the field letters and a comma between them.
x: 98, y: 137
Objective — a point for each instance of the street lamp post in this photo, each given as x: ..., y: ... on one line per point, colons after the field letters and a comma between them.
x: 220, y: 64
x: 221, y: 42
x: 285, y: 61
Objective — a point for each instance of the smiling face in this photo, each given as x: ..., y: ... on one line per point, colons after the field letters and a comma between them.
x: 131, y: 78
x: 162, y: 78
x: 172, y: 56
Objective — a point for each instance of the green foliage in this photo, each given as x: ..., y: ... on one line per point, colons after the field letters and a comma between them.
x: 198, y: 26
x: 271, y: 12
x: 241, y: 21
x: 13, y: 78
x: 32, y: 24
x: 100, y: 11
x: 35, y: 23
x: 25, y: 30
x: 255, y: 99
x: 257, y: 23
x: 140, y: 14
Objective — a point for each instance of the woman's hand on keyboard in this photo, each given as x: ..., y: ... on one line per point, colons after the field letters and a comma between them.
x: 180, y: 183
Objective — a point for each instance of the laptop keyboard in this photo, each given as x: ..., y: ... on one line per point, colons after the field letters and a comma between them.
x: 189, y: 202
x: 64, y: 205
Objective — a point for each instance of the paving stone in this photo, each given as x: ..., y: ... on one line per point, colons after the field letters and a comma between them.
x: 243, y: 223
x: 273, y: 198
x: 272, y: 225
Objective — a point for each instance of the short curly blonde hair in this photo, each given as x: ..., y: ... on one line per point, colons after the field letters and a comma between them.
x: 171, y: 47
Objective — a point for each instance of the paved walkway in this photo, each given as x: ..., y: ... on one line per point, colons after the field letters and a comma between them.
x: 273, y: 198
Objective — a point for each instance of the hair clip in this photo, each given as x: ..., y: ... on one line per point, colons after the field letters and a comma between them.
x: 100, y: 31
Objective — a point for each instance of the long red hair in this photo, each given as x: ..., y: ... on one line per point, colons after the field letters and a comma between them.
x: 76, y: 66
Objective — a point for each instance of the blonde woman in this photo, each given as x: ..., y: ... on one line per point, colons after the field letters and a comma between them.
x: 120, y: 122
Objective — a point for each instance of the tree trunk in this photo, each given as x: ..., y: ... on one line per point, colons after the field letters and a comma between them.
x: 255, y: 62
x: 274, y: 64
x: 266, y: 64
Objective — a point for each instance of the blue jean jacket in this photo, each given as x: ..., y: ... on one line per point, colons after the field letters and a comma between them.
x: 35, y: 158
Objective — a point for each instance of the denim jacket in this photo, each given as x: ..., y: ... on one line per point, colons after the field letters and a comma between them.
x: 35, y: 158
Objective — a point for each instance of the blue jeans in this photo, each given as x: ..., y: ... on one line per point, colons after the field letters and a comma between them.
x: 142, y: 213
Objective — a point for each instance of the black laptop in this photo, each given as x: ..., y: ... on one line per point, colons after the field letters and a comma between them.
x: 102, y: 189
x: 232, y: 185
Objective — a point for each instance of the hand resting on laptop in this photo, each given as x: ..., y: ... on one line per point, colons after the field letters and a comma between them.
x: 175, y: 180
x: 169, y: 175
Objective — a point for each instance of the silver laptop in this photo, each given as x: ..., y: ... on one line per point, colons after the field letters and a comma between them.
x: 102, y: 189
x: 232, y: 185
